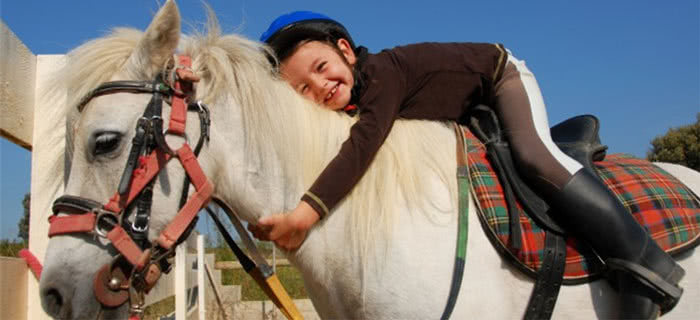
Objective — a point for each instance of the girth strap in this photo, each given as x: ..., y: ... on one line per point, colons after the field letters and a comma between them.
x: 549, y: 278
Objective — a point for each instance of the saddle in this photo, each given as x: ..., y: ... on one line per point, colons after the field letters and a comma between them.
x: 519, y: 223
x: 577, y: 137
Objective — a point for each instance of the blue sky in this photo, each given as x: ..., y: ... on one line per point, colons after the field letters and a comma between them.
x: 634, y: 64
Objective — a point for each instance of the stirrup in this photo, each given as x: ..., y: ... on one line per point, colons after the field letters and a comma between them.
x: 668, y: 290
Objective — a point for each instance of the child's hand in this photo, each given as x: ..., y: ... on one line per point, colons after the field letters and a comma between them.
x: 288, y: 230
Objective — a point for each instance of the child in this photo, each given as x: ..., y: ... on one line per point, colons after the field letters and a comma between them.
x: 441, y: 81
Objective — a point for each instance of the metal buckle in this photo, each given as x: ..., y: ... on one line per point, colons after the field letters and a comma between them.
x: 202, y: 108
x: 136, y: 302
x: 138, y: 229
x: 107, y: 217
x: 204, y: 114
x: 184, y: 136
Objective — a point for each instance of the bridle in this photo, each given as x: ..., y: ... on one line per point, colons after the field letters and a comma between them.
x: 139, y: 263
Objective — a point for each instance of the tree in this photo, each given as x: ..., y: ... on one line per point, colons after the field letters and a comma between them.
x: 679, y: 145
x: 23, y: 224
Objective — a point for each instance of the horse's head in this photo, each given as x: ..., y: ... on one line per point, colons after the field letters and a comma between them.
x: 132, y: 128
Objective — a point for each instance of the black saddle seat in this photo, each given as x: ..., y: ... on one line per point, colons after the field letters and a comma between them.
x: 578, y: 137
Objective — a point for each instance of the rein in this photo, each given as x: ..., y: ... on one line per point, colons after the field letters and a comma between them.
x: 464, y: 187
x: 139, y: 264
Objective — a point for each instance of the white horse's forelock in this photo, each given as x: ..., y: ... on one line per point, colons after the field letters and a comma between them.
x: 84, y: 68
x: 279, y: 123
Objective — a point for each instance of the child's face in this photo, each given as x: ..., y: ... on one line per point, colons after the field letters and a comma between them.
x: 322, y: 73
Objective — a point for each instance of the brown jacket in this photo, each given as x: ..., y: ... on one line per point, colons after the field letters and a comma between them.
x: 433, y: 81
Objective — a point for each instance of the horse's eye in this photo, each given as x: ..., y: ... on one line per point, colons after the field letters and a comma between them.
x: 106, y: 142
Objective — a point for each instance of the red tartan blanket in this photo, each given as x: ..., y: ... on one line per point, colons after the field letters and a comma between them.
x: 659, y: 202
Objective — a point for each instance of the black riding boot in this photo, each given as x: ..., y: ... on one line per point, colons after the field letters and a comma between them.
x: 646, y: 277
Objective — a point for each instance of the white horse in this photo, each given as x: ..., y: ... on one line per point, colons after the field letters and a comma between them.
x: 386, y: 252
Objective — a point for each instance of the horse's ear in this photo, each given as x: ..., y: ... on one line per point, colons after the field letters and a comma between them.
x: 158, y: 43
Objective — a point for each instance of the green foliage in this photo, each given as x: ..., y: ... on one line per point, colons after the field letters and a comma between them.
x: 11, y: 248
x: 679, y: 145
x: 224, y: 253
x: 159, y: 309
x: 288, y: 276
x: 23, y: 224
x: 250, y: 291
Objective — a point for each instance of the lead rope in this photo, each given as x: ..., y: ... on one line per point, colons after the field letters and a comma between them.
x: 32, y: 262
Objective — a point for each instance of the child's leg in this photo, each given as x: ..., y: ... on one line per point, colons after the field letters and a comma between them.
x: 583, y: 203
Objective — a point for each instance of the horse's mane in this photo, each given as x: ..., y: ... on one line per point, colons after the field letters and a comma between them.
x: 279, y: 123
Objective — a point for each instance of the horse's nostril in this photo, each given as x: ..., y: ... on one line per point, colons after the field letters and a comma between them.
x: 53, y: 302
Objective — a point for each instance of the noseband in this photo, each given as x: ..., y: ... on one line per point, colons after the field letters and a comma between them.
x: 139, y: 264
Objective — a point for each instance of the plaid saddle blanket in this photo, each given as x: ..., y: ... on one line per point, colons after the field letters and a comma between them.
x: 668, y: 210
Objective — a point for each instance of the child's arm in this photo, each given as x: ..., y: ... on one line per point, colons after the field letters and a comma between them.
x: 379, y: 108
x: 288, y: 230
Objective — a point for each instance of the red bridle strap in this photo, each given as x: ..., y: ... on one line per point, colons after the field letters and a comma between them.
x: 86, y: 222
x: 72, y: 224
x: 148, y: 169
x: 127, y: 247
x: 178, y: 114
x: 196, y: 202
x: 118, y: 236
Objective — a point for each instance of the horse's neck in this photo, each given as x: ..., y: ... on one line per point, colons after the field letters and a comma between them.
x: 332, y: 271
x: 240, y: 181
x: 272, y: 159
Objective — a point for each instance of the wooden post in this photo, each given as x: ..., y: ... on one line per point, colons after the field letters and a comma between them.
x: 201, y: 285
x: 23, y: 84
x: 17, y: 81
x: 181, y: 282
x: 13, y: 296
x: 47, y: 171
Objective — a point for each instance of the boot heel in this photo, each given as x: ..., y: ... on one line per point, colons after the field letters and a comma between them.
x: 665, y: 291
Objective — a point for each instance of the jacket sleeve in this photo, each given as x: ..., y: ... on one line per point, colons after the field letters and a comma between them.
x: 379, y: 107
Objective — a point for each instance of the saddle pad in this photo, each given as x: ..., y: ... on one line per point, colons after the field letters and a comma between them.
x: 668, y: 210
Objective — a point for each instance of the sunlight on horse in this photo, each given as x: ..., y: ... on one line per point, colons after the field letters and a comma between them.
x: 386, y: 252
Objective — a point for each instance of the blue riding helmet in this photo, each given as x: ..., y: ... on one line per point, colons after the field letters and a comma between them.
x: 288, y: 30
